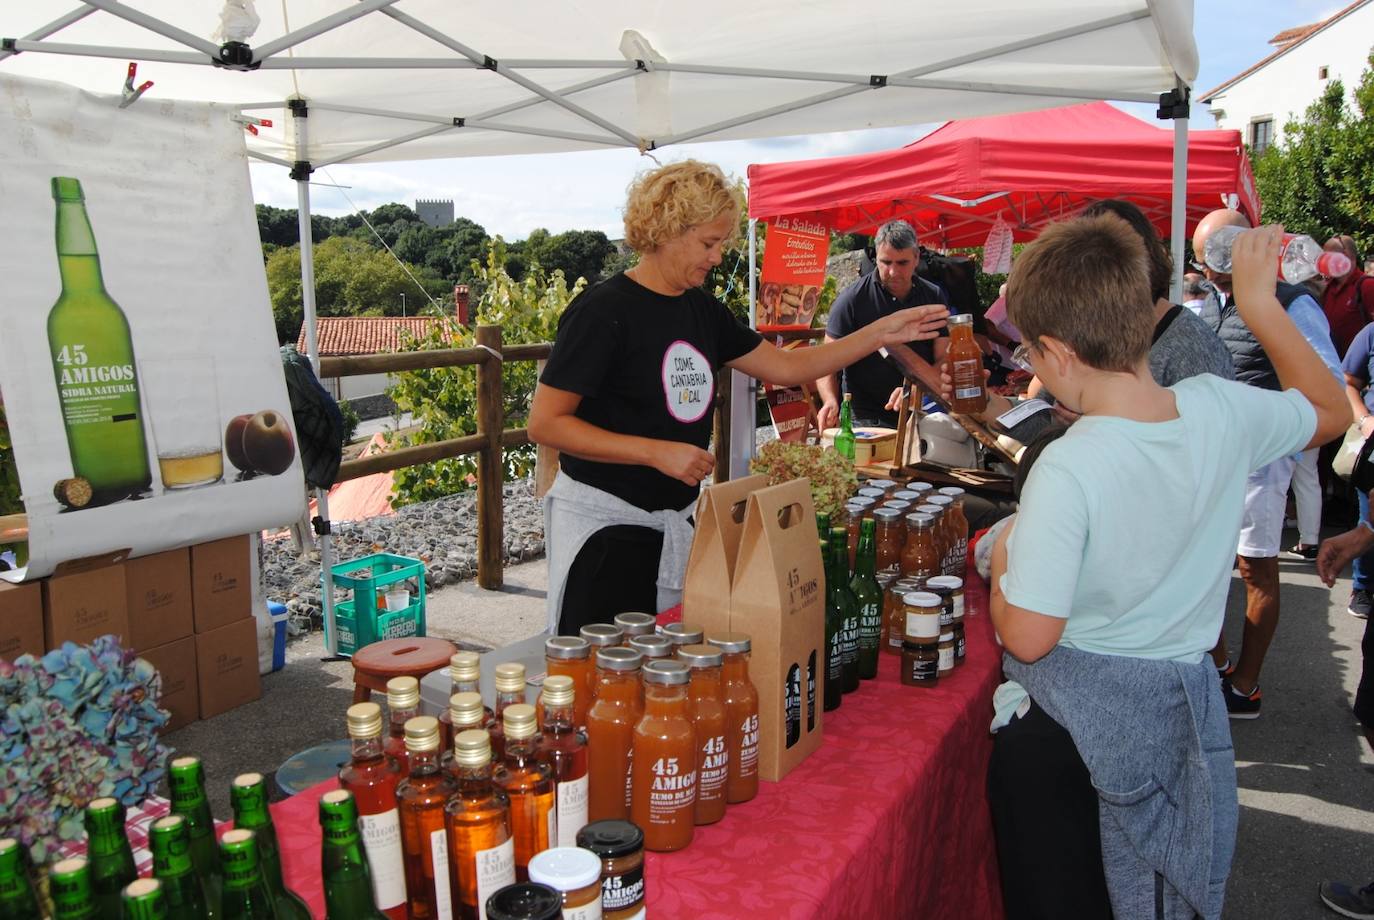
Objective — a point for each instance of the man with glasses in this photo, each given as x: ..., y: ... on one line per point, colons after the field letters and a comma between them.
x: 1266, y: 493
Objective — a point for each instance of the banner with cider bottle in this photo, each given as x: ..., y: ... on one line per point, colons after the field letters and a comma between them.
x: 139, y: 367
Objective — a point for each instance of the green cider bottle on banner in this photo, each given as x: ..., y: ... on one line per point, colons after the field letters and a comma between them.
x: 93, y: 362
x: 849, y: 611
x: 344, y: 867
x: 17, y: 898
x: 869, y: 596
x: 143, y: 899
x: 69, y: 883
x: 186, y: 779
x: 834, y: 665
x: 844, y: 438
x: 109, y: 854
x: 248, y: 794
x: 245, y: 895
x: 170, y: 840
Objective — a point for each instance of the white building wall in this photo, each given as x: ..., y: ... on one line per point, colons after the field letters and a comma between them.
x: 1284, y: 88
x: 357, y: 387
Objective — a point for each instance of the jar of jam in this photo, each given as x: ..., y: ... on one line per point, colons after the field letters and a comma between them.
x: 572, y: 655
x: 894, y: 614
x: 681, y: 634
x: 922, y: 624
x: 663, y: 782
x: 620, y: 845
x: 920, y: 664
x: 575, y: 874
x: 946, y: 650
x: 652, y: 646
x: 920, y: 555
x: 890, y: 536
x: 601, y: 635
x: 635, y: 624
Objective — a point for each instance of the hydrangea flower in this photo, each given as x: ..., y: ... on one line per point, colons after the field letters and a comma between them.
x: 78, y: 723
x: 832, y: 477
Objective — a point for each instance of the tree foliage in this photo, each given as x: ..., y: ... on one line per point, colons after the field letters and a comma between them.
x: 443, y: 401
x: 1319, y: 178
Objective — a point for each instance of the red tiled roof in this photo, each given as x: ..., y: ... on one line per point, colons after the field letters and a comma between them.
x: 364, y: 335
x: 1290, y: 38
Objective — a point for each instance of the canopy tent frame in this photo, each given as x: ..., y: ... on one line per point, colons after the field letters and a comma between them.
x: 1175, y: 52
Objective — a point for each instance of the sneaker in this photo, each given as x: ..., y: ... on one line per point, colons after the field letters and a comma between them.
x: 1360, y: 604
x: 1240, y: 705
x: 1304, y: 551
x: 1347, y: 900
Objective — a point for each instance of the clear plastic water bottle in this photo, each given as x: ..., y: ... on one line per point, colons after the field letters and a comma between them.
x: 1300, y: 258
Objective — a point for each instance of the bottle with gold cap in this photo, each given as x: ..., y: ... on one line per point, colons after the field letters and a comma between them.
x: 143, y: 899
x: 69, y: 883
x: 421, y: 796
x: 245, y: 895
x: 566, y: 752
x: 372, y: 777
x: 708, y: 718
x: 510, y: 689
x: 17, y: 898
x: 107, y: 848
x: 248, y: 796
x: 170, y: 842
x: 481, y: 843
x: 402, y: 704
x: 528, y: 782
x: 464, y: 674
x: 344, y: 871
x: 611, y: 725
x: 465, y: 711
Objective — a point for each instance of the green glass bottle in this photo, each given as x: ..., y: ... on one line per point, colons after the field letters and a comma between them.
x: 245, y: 895
x: 186, y: 779
x: 109, y: 853
x: 69, y: 883
x: 143, y: 900
x: 17, y: 900
x: 823, y: 525
x: 93, y: 362
x: 182, y: 889
x: 844, y: 438
x: 343, y: 863
x: 834, y: 664
x: 248, y: 794
x: 849, y: 611
x: 869, y: 596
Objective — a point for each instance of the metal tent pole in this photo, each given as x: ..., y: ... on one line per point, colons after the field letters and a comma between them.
x: 743, y: 388
x: 301, y: 173
x: 1174, y: 104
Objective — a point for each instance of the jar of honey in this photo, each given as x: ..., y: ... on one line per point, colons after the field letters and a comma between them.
x: 664, y: 774
x: 576, y: 875
x: 922, y: 617
x: 635, y: 624
x: 611, y: 722
x: 894, y: 614
x: 620, y: 845
x: 572, y: 655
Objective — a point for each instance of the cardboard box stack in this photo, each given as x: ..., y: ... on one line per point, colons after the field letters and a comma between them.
x: 226, y: 633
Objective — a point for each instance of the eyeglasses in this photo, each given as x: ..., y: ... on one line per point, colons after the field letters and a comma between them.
x: 1021, y: 357
x: 1197, y: 266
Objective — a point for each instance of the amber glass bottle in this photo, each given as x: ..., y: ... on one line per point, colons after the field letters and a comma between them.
x: 635, y: 624
x: 372, y: 777
x: 481, y: 844
x: 562, y: 746
x: 707, y: 706
x: 402, y: 704
x: 959, y: 526
x: 421, y: 797
x: 465, y: 712
x: 464, y: 674
x: 572, y: 655
x: 939, y: 527
x: 610, y: 728
x: 528, y: 781
x: 964, y: 364
x: 741, y: 700
x: 663, y: 787
x: 510, y: 689
x: 947, y: 531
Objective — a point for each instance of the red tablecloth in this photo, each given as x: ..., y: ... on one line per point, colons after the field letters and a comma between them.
x: 889, y: 818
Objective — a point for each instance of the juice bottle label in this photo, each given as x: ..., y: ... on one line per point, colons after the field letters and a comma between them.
x: 672, y: 790
x: 382, y: 840
x: 749, y: 746
x: 438, y: 852
x: 572, y: 811
x: 714, y: 765
x: 621, y: 892
x: 967, y: 375
x: 495, y: 870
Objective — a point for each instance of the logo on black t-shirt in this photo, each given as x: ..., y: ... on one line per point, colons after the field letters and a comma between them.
x: 687, y: 382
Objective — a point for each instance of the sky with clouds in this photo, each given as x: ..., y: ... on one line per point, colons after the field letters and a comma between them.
x: 583, y: 191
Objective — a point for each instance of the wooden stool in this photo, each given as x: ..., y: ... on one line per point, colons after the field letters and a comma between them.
x: 375, y: 664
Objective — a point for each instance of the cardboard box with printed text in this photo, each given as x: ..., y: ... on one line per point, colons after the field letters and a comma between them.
x: 227, y: 667
x: 83, y: 605
x: 220, y: 589
x: 176, y: 663
x: 159, y: 589
x: 21, y: 620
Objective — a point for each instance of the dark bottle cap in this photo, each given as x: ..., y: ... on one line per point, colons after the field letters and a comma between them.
x: 612, y: 838
x: 525, y: 901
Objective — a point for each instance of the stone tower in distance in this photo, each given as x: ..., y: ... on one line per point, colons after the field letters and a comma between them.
x: 435, y: 213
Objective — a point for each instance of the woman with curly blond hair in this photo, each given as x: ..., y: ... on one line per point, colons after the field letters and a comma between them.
x: 627, y: 395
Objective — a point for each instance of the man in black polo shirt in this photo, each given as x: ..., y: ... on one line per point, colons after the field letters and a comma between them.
x: 892, y: 286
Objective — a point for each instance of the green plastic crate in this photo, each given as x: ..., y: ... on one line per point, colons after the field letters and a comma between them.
x: 359, y: 619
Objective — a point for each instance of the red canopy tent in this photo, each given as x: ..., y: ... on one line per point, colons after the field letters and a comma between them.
x: 1031, y: 168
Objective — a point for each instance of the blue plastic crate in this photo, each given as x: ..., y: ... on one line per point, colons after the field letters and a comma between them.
x: 359, y: 614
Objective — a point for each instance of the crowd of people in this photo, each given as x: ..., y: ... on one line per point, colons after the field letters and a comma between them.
x: 1175, y: 435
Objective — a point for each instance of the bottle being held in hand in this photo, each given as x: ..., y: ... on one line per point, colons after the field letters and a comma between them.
x: 1300, y: 258
x: 964, y: 364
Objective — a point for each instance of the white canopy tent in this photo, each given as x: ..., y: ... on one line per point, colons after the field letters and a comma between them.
x: 378, y: 80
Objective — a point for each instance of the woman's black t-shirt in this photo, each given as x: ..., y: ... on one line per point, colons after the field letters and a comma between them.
x: 644, y: 364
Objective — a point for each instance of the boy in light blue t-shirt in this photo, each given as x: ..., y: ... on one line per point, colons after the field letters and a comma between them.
x: 1125, y: 538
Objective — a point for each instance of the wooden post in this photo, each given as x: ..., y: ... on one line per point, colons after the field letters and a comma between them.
x: 491, y: 538
x: 722, y: 425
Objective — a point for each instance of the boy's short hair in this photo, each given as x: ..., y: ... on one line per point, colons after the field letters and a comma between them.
x: 1086, y: 282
